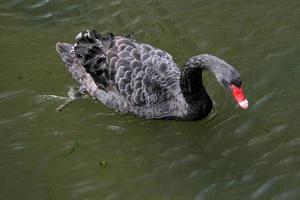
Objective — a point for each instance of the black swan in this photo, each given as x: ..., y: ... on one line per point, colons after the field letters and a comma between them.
x: 137, y: 78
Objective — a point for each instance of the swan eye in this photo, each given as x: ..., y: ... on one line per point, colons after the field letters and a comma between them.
x: 225, y: 83
x: 237, y: 83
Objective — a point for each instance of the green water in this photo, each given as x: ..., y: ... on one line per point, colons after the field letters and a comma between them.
x: 91, y: 152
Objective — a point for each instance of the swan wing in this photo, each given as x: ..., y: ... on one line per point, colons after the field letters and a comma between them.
x: 139, y: 73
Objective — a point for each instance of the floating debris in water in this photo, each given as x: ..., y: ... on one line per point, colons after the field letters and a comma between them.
x: 103, y: 163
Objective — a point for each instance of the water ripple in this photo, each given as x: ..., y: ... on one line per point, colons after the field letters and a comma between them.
x: 264, y: 188
x: 39, y: 4
x: 232, y: 154
x: 11, y: 94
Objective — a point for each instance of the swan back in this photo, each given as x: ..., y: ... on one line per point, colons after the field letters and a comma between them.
x: 144, y: 79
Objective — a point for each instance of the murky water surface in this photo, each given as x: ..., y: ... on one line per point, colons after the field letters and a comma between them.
x: 91, y: 152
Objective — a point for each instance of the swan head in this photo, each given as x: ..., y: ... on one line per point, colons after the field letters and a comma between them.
x: 229, y: 77
x: 226, y: 75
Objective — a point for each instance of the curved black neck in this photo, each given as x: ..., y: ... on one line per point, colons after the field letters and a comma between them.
x: 194, y: 92
x: 191, y: 85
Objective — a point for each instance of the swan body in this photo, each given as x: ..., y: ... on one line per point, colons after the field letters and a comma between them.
x: 137, y: 78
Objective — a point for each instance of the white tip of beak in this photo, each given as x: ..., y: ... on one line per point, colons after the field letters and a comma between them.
x: 244, y: 104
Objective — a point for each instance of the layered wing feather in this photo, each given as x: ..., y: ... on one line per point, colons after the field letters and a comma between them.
x: 141, y: 74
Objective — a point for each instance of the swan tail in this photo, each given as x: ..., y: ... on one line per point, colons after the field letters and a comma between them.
x: 66, y: 52
x: 74, y: 66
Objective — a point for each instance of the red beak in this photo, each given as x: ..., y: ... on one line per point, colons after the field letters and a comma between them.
x: 239, y: 96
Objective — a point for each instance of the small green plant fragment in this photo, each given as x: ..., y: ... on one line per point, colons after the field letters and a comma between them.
x: 48, y: 192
